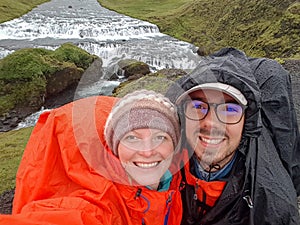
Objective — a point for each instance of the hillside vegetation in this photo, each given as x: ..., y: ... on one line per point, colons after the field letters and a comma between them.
x: 12, y: 9
x: 262, y: 28
x: 24, y: 74
x: 12, y: 145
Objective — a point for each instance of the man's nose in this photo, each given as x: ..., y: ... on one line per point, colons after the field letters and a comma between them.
x: 211, y: 118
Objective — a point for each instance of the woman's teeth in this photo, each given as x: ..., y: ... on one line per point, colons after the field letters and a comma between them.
x: 146, y: 165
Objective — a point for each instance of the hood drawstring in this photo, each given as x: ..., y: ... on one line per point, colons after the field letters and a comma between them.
x: 200, y: 173
x: 211, y: 167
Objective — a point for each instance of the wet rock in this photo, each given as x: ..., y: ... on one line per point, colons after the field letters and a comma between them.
x: 60, y: 80
x: 6, y: 200
x: 126, y: 68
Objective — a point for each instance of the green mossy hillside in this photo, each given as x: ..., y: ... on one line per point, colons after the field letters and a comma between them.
x: 261, y: 28
x: 12, y: 9
x: 12, y: 145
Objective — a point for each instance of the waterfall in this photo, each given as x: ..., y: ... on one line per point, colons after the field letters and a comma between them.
x: 97, y: 30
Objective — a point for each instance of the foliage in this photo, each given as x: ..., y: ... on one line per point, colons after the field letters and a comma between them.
x: 23, y: 74
x: 153, y: 81
x: 261, y: 28
x: 12, y: 9
x: 24, y: 65
x: 68, y: 53
x: 12, y: 145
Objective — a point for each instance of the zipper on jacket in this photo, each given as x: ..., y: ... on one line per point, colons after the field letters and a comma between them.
x: 138, y: 194
x: 195, y: 197
x: 168, y: 204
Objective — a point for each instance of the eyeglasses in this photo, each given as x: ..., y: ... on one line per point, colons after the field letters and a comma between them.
x: 229, y: 113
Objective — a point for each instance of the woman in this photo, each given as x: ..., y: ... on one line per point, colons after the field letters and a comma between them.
x: 73, y: 172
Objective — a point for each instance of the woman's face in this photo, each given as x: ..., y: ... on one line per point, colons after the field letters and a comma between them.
x: 146, y: 154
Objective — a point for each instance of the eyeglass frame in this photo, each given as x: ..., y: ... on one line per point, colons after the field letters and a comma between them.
x: 215, y: 106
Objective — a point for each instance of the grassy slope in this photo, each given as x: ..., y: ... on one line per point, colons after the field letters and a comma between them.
x: 12, y: 145
x: 12, y: 9
x: 259, y: 27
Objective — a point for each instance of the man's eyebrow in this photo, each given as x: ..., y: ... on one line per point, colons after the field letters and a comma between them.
x: 225, y: 100
x: 199, y: 98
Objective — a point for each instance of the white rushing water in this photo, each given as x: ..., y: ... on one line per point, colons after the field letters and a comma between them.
x: 99, y: 31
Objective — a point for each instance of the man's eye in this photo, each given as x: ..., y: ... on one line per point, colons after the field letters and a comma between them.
x: 233, y: 108
x: 230, y: 109
x: 198, y: 104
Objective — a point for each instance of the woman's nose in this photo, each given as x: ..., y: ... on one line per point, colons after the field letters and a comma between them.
x: 148, y: 148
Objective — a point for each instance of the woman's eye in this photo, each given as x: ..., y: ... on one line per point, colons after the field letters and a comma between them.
x: 130, y: 138
x: 160, y: 137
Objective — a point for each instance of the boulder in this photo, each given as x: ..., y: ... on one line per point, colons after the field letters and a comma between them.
x: 126, y: 68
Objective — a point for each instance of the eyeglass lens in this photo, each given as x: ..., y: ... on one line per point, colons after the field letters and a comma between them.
x: 229, y: 113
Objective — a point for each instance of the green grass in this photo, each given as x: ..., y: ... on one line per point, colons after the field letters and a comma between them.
x: 10, y: 9
x: 12, y: 145
x: 145, y: 9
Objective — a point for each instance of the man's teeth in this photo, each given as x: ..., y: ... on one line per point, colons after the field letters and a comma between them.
x: 211, y: 141
x: 146, y: 165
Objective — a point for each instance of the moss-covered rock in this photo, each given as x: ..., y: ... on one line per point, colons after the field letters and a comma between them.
x: 159, y: 82
x: 28, y: 76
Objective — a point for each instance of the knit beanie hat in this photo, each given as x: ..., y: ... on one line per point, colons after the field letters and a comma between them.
x: 138, y: 110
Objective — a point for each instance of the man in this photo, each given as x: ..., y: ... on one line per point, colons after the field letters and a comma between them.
x: 235, y: 174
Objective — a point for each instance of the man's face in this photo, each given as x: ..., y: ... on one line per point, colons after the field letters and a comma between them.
x: 214, y: 142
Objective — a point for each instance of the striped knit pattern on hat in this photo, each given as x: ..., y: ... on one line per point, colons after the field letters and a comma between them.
x: 141, y: 109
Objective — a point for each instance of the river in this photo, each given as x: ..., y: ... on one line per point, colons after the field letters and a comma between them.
x: 99, y: 31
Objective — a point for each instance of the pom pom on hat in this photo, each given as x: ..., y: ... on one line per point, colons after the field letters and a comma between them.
x: 138, y: 110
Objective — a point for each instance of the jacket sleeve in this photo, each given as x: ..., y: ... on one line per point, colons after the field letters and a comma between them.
x: 278, y: 113
x: 54, y: 163
x: 275, y: 200
x: 41, y: 168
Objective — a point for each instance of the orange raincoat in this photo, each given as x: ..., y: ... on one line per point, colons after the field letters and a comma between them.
x: 68, y: 176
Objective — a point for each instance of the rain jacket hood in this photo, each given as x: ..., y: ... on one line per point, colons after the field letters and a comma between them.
x: 258, y: 185
x: 231, y: 70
